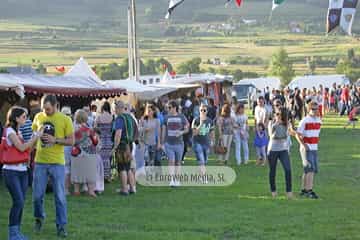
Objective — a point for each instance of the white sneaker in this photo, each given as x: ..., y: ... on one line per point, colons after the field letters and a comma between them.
x: 177, y: 184
x: 172, y: 183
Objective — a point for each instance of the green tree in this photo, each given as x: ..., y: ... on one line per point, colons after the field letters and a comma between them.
x: 191, y: 66
x: 311, y: 65
x: 41, y: 69
x: 281, y: 66
x: 3, y: 70
x: 160, y: 63
x: 238, y: 75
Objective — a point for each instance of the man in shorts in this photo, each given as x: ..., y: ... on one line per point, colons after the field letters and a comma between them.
x: 123, y: 149
x: 307, y: 135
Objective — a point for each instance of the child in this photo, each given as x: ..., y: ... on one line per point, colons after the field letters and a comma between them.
x: 260, y: 142
x: 352, y: 117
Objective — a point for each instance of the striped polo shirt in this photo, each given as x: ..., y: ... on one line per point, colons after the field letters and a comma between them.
x: 26, y: 130
x: 309, y: 128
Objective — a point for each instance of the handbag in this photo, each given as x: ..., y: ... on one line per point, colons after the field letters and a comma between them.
x: 220, y: 148
x: 10, y: 154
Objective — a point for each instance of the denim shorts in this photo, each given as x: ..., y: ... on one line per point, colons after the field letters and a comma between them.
x: 312, y: 158
x: 174, y: 152
x: 201, y: 152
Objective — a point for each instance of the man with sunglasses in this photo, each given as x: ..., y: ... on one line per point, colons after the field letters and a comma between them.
x: 308, y: 138
x: 175, y: 126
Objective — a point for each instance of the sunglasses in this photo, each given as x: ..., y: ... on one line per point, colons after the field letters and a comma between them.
x: 277, y: 105
x: 203, y: 110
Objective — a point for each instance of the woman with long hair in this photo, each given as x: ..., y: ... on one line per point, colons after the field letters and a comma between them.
x: 278, y: 149
x: 150, y: 126
x: 241, y: 134
x: 16, y: 175
x: 226, y: 128
x: 103, y: 123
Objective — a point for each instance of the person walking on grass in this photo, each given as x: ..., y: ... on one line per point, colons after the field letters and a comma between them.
x: 175, y: 126
x: 16, y: 175
x: 83, y: 160
x: 241, y: 134
x: 123, y: 145
x: 308, y: 137
x: 278, y: 150
x: 50, y: 161
x: 203, y: 139
x: 226, y: 130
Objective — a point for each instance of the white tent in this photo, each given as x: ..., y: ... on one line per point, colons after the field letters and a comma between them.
x: 143, y: 92
x: 7, y: 84
x: 82, y: 69
x: 178, y: 83
x: 60, y: 85
x: 316, y: 80
x: 203, y: 78
x: 262, y: 83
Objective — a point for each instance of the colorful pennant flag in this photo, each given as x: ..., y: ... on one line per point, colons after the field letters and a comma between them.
x: 238, y: 2
x: 172, y: 5
x: 341, y: 13
x: 276, y: 3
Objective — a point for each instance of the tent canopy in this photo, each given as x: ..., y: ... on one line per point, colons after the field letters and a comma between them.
x: 316, y: 80
x: 143, y: 92
x: 203, y: 78
x: 262, y: 83
x: 61, y: 85
x: 7, y: 84
x: 82, y: 69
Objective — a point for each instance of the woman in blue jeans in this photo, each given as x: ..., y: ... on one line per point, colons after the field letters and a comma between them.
x: 203, y: 137
x: 15, y: 175
x: 278, y: 149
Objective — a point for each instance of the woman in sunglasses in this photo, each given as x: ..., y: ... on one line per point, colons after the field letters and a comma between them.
x: 278, y: 150
x: 16, y: 174
x: 203, y: 138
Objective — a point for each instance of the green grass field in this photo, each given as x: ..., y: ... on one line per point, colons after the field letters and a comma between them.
x: 244, y: 210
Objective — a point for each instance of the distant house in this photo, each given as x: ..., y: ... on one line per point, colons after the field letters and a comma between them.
x: 20, y: 70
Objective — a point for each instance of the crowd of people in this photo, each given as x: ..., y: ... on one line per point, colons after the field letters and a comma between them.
x: 80, y: 152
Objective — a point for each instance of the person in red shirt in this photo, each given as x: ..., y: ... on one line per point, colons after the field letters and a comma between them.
x: 345, y: 97
x: 352, y: 117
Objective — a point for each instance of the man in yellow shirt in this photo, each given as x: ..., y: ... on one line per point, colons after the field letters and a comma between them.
x: 50, y: 161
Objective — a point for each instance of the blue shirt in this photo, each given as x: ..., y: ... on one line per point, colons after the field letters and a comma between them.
x: 26, y: 130
x: 120, y: 125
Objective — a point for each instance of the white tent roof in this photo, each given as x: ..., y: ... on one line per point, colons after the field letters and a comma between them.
x: 82, y: 69
x: 60, y: 85
x: 11, y: 84
x: 143, y: 92
x: 262, y: 83
x: 315, y: 80
x: 178, y: 83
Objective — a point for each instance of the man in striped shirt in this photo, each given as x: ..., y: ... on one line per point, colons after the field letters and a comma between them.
x: 308, y: 137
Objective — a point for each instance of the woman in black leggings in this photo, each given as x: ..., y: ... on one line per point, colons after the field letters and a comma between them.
x: 279, y: 150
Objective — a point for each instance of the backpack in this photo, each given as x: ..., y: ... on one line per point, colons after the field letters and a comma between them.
x: 132, y: 132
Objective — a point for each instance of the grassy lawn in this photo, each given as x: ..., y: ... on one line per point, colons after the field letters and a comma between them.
x: 242, y: 211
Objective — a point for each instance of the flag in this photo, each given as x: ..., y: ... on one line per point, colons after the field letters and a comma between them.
x: 238, y: 2
x: 341, y: 13
x: 276, y: 3
x: 172, y: 5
